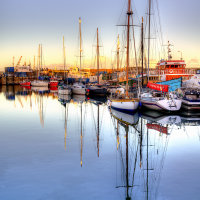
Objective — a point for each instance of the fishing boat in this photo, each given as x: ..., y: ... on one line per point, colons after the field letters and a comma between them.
x: 79, y: 88
x: 126, y: 104
x: 171, y: 69
x: 159, y: 100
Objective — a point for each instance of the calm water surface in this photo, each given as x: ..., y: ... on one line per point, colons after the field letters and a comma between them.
x: 79, y: 149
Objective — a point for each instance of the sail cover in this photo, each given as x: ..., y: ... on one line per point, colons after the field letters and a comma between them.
x: 154, y: 86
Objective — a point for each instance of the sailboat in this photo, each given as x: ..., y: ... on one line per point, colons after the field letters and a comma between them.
x: 38, y: 83
x: 126, y: 104
x: 79, y: 88
x: 64, y: 89
x: 159, y: 101
x: 97, y: 89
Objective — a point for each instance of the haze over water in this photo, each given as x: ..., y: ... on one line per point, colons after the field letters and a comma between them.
x: 83, y: 150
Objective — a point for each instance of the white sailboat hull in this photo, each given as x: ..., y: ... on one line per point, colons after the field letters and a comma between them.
x: 165, y: 104
x: 125, y: 105
x: 77, y: 90
x: 39, y: 84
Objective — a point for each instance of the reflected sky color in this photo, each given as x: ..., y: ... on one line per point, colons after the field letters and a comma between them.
x: 26, y: 24
x: 39, y: 160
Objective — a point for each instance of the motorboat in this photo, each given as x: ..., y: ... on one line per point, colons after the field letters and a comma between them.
x: 191, y: 100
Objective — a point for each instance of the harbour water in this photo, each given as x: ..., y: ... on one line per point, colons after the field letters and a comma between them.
x: 77, y: 148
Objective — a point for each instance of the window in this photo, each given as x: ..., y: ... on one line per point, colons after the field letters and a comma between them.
x: 172, y: 66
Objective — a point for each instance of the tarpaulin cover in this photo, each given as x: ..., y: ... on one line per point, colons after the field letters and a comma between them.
x: 154, y: 86
x: 173, y: 84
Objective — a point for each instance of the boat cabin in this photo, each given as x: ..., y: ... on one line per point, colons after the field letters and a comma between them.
x: 191, y: 95
x: 172, y: 69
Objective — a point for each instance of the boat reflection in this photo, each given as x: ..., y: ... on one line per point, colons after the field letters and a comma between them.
x: 126, y: 118
x: 126, y: 127
x: 159, y: 117
x: 64, y: 98
x: 79, y: 98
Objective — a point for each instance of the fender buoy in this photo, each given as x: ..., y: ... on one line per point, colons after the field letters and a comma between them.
x: 171, y: 71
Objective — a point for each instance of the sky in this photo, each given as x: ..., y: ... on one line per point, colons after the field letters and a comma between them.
x: 25, y: 24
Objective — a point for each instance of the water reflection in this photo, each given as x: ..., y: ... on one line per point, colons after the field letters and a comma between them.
x: 92, y: 148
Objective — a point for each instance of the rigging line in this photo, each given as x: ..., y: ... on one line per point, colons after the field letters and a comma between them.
x: 134, y: 47
x: 135, y: 10
x: 122, y: 11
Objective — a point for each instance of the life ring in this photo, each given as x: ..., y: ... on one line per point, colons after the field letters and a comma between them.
x: 171, y: 71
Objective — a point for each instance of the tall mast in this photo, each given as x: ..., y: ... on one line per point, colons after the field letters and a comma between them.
x: 80, y: 41
x: 13, y: 60
x: 41, y: 56
x: 39, y: 61
x: 34, y: 63
x: 142, y: 51
x: 118, y: 58
x: 64, y: 56
x: 97, y: 56
x: 129, y: 12
x: 149, y: 36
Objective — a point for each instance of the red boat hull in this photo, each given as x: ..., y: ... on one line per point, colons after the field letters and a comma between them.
x: 28, y: 83
x: 53, y: 84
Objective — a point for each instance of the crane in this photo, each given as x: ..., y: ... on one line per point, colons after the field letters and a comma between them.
x: 18, y: 63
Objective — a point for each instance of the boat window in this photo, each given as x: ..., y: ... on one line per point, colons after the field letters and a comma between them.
x: 180, y: 66
x: 176, y: 66
x: 172, y: 66
x: 167, y: 66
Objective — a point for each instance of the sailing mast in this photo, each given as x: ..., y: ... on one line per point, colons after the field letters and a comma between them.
x: 80, y: 43
x: 97, y: 57
x: 142, y: 49
x: 118, y: 58
x: 41, y: 56
x: 149, y: 37
x: 64, y: 57
x: 39, y: 61
x: 129, y: 12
